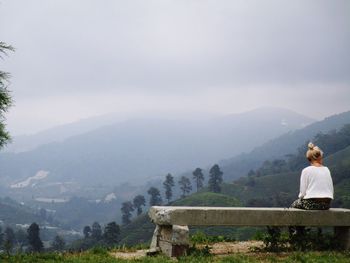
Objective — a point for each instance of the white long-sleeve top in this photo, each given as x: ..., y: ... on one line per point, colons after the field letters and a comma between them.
x: 316, y: 182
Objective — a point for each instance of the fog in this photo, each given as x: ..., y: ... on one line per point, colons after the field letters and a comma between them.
x: 77, y: 59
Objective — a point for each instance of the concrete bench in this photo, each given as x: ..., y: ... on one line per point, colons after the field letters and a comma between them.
x: 171, y: 235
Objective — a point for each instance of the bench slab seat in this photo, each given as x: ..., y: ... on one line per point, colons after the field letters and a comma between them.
x: 171, y: 235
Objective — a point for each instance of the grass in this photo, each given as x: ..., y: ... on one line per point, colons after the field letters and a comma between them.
x: 207, y: 199
x: 104, y: 257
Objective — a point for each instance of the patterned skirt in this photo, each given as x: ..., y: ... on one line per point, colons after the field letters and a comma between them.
x: 310, y: 204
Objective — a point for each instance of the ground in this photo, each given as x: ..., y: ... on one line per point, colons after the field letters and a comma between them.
x: 222, y: 248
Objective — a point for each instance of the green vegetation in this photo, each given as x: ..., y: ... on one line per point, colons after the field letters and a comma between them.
x: 100, y: 255
x: 5, y: 98
x: 276, y: 182
x: 185, y: 186
x: 138, y: 202
x: 168, y: 185
x: 96, y: 236
x: 127, y: 209
x: 11, y: 211
x: 198, y: 177
x: 139, y: 231
x: 207, y: 199
x: 155, y: 197
x: 35, y: 243
x: 215, y: 179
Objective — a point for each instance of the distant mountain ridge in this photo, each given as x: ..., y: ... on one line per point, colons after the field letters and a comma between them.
x: 134, y: 150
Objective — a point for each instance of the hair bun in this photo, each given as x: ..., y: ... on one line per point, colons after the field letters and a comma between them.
x: 311, y: 146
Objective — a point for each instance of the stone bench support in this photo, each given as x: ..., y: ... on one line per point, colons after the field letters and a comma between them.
x: 171, y: 235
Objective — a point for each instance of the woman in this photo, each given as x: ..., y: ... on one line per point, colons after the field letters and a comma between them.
x: 316, y: 185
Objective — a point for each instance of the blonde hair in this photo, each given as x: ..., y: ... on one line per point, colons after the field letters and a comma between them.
x: 314, y: 152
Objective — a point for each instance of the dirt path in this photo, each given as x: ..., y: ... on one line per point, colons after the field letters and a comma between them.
x: 130, y: 255
x: 222, y: 248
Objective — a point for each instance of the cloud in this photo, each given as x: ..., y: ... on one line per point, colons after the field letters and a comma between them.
x: 175, y: 49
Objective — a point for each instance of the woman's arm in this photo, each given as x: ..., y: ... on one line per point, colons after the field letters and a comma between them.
x: 303, y: 185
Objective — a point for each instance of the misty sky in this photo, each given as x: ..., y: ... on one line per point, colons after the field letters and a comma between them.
x: 82, y: 58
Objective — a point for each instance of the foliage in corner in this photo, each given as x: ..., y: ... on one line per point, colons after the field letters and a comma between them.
x: 5, y: 97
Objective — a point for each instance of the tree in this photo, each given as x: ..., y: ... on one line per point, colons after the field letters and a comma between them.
x: 96, y: 231
x: 185, y: 185
x: 251, y: 173
x: 9, y: 240
x: 127, y: 208
x: 5, y: 98
x: 35, y: 243
x: 215, y: 179
x: 111, y: 234
x: 87, y: 231
x: 58, y: 243
x: 155, y: 198
x: 198, y: 177
x: 139, y: 201
x: 250, y: 182
x: 21, y: 238
x: 168, y: 185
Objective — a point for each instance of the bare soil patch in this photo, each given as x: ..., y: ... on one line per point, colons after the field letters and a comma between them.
x: 223, y: 248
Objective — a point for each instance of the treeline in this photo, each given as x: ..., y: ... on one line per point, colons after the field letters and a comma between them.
x: 95, y: 235
x: 330, y: 143
x: 21, y: 241
x: 185, y: 185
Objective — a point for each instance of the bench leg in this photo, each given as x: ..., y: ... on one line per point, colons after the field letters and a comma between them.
x: 342, y: 234
x: 172, y: 241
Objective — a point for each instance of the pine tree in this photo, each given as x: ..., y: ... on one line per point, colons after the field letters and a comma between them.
x: 198, y: 177
x: 9, y: 240
x: 168, y: 185
x: 127, y: 208
x: 21, y: 238
x: 58, y: 243
x: 139, y: 201
x: 155, y: 198
x: 5, y: 98
x: 87, y: 231
x: 111, y: 234
x: 215, y: 179
x: 96, y: 231
x: 35, y: 243
x: 185, y: 185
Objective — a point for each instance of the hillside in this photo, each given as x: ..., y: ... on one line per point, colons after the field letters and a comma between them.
x: 266, y: 187
x: 134, y: 150
x: 207, y: 199
x: 281, y: 189
x: 279, y: 147
x: 13, y: 213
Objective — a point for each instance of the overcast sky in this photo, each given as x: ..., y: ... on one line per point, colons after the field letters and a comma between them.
x: 81, y: 58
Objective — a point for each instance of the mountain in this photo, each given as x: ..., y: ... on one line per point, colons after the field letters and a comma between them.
x: 13, y: 213
x: 28, y: 142
x: 280, y: 147
x: 23, y: 143
x: 137, y: 149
